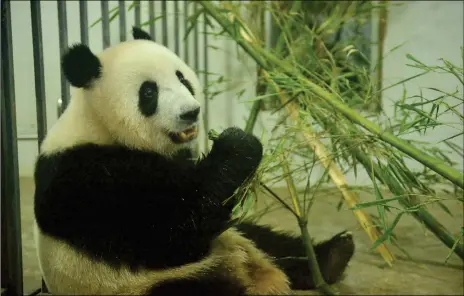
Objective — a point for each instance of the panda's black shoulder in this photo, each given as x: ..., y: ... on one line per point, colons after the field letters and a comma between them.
x: 74, y: 160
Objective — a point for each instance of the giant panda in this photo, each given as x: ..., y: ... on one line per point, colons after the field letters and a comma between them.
x: 122, y: 208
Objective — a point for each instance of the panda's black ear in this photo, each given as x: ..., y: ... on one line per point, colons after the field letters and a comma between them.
x: 138, y: 33
x: 80, y: 66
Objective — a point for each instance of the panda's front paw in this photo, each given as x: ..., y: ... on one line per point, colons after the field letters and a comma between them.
x: 238, y: 148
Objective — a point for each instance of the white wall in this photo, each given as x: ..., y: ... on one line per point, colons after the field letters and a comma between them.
x: 432, y: 30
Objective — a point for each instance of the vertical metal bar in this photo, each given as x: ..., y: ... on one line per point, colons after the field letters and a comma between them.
x: 165, y: 22
x: 137, y: 14
x: 195, y: 40
x: 41, y: 108
x: 122, y: 21
x: 176, y: 27
x: 186, y: 25
x: 151, y: 12
x: 84, y: 25
x: 205, y: 80
x: 63, y: 38
x: 12, y: 265
x: 105, y: 24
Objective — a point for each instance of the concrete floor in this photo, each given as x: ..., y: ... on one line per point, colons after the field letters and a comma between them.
x: 367, y: 274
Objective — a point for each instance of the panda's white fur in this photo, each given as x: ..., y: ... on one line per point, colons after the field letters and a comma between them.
x: 67, y: 272
x: 107, y: 114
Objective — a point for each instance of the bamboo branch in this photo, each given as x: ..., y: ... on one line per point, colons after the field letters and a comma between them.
x: 313, y: 264
x: 270, y: 62
x: 422, y: 215
x: 337, y: 177
x: 279, y: 199
x: 306, y: 238
x: 250, y: 124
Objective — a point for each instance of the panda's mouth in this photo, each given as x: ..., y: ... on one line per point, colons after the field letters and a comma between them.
x: 184, y: 136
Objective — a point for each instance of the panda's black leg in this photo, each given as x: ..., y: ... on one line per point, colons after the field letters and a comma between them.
x: 333, y: 255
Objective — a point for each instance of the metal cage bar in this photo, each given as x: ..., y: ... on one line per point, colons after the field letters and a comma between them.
x: 137, y: 13
x: 122, y: 21
x: 165, y: 22
x: 151, y: 13
x: 186, y: 40
x: 12, y: 265
x: 84, y: 21
x: 63, y: 38
x: 105, y: 24
x: 176, y: 26
x: 37, y: 42
x: 195, y: 39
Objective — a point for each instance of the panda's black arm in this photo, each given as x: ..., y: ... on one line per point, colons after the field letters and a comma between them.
x: 132, y: 207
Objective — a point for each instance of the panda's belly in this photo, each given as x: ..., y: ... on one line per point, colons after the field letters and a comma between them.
x: 66, y: 271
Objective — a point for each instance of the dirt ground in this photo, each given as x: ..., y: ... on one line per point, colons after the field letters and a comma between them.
x: 423, y: 274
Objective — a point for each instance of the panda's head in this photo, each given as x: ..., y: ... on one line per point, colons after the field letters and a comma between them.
x: 143, y: 94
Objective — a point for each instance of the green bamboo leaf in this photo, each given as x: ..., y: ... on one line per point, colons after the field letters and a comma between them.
x: 387, y: 232
x: 452, y: 137
x: 132, y: 5
x: 153, y: 20
x: 418, y: 111
x: 193, y: 20
x: 445, y: 208
x: 114, y: 11
x: 455, y: 244
x: 410, y: 57
x: 374, y: 203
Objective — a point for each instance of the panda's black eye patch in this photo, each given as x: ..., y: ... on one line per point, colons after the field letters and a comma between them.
x: 148, y: 98
x: 185, y: 82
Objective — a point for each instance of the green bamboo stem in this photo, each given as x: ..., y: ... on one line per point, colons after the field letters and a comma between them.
x: 335, y: 101
x: 251, y: 121
x: 302, y: 218
x: 312, y: 262
x: 422, y: 215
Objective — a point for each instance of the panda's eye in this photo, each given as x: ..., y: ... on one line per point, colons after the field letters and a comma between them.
x: 148, y: 98
x: 185, y: 82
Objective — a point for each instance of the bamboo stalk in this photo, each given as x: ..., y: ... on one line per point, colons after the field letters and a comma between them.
x: 269, y: 62
x: 313, y: 264
x: 306, y: 238
x: 337, y: 177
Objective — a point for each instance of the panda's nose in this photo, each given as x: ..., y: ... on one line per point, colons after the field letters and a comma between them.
x: 191, y: 115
